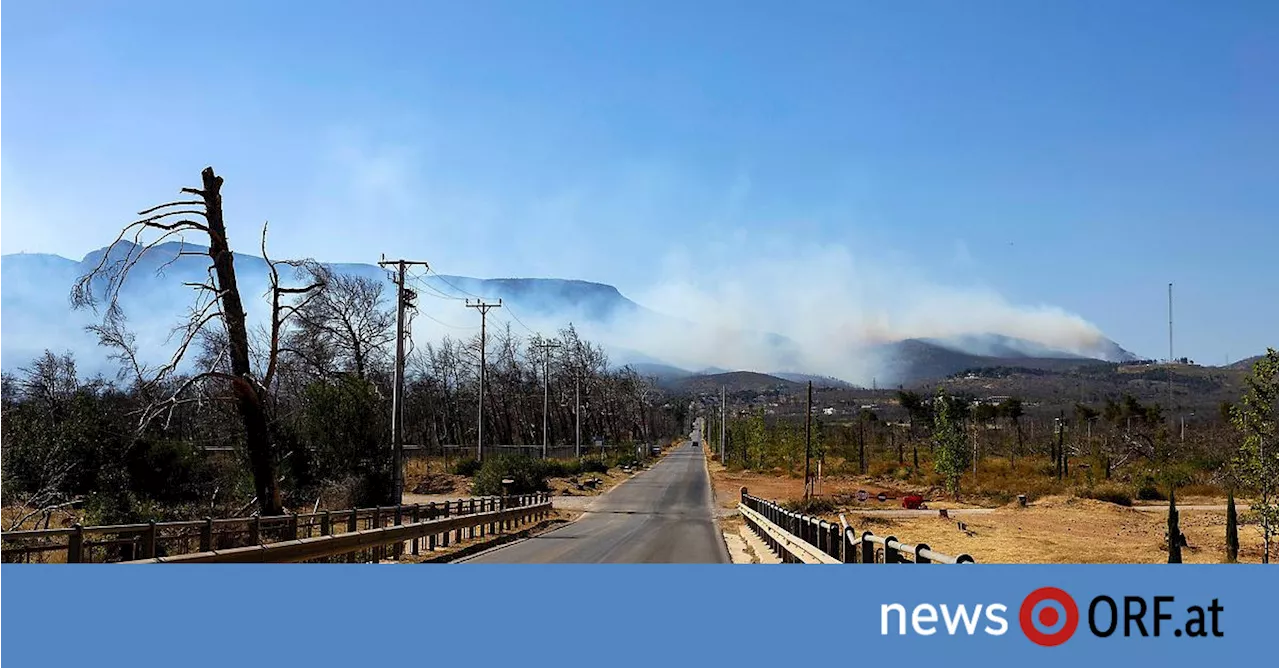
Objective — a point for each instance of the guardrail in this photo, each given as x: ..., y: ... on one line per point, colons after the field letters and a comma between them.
x: 361, y: 534
x: 799, y: 538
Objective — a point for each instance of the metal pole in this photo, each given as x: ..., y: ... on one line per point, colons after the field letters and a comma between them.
x: 722, y: 423
x: 397, y: 396
x: 483, y: 308
x: 808, y: 415
x: 577, y: 417
x: 403, y: 300
x: 546, y: 393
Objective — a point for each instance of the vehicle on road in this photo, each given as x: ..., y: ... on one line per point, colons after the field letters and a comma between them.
x: 655, y: 450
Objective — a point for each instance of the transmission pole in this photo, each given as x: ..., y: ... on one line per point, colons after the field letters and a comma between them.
x: 545, y: 347
x: 404, y: 298
x: 1170, y: 369
x: 483, y: 307
x: 577, y: 415
x: 808, y: 419
x: 722, y: 424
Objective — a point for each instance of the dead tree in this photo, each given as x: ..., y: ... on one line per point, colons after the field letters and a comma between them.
x: 218, y: 299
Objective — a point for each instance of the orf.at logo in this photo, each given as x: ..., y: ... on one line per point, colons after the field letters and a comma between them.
x: 1048, y: 616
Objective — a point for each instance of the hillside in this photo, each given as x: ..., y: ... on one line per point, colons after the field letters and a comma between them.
x: 733, y: 382
x: 916, y: 360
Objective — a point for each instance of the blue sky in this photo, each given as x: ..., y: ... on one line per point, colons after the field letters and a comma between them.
x: 1078, y: 155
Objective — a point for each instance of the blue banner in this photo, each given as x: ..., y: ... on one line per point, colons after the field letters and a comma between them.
x: 317, y: 615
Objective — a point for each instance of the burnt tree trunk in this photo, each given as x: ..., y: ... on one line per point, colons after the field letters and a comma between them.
x: 249, y: 395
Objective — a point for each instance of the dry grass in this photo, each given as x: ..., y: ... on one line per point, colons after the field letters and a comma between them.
x: 1068, y: 530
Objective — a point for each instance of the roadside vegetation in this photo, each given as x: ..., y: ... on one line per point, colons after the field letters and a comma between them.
x: 954, y: 448
x: 292, y: 412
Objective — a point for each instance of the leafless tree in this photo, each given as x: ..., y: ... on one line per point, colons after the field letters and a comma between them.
x: 217, y: 300
x: 347, y: 326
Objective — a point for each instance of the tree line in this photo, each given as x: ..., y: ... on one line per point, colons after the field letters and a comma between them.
x: 242, y: 415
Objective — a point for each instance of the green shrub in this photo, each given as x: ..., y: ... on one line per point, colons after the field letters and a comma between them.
x: 467, y: 467
x: 594, y: 465
x: 1148, y: 490
x: 813, y: 506
x: 1110, y: 493
x: 526, y: 473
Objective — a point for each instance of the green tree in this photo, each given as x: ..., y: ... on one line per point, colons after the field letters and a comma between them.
x: 1258, y: 458
x: 950, y: 452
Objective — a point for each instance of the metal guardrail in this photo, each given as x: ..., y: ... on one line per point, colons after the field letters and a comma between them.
x: 799, y: 538
x: 434, y: 524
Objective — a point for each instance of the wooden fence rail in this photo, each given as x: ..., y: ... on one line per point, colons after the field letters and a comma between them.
x: 798, y: 538
x: 166, y: 541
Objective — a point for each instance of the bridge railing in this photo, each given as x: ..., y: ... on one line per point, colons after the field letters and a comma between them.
x: 371, y: 534
x: 800, y: 538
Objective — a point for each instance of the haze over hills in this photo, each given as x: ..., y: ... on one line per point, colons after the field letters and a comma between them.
x: 38, y: 316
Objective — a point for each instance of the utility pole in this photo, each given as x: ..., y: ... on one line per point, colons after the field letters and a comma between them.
x: 1170, y: 368
x: 577, y: 415
x: 483, y: 307
x: 808, y: 419
x: 545, y: 347
x: 404, y: 299
x: 722, y: 418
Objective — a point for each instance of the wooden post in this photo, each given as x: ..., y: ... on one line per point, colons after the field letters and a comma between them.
x: 293, y: 526
x: 206, y: 535
x: 375, y: 522
x: 444, y: 537
x: 431, y: 515
x: 399, y: 550
x: 149, y: 541
x: 416, y: 518
x: 353, y: 525
x: 75, y: 545
x: 326, y: 524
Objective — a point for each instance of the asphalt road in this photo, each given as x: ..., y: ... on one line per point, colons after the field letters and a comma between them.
x: 662, y: 515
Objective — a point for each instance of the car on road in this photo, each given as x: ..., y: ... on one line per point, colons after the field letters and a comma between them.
x: 655, y: 450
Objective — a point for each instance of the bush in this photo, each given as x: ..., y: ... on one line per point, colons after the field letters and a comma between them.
x: 1148, y: 490
x: 594, y: 465
x: 527, y: 475
x: 1110, y: 493
x: 467, y: 467
x: 813, y: 506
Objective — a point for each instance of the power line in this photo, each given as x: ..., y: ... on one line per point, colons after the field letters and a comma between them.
x: 456, y: 288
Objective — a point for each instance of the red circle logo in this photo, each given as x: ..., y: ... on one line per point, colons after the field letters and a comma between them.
x: 1048, y: 616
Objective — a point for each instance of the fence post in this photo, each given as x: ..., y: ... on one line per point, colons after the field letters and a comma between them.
x: 835, y: 541
x: 326, y: 524
x: 471, y: 510
x: 416, y: 517
x: 149, y: 541
x: 891, y: 555
x: 375, y: 522
x: 353, y: 525
x: 848, y: 548
x: 206, y: 535
x: 920, y: 558
x: 255, y: 530
x: 868, y: 548
x: 399, y: 551
x: 75, y: 545
x: 444, y: 537
x: 293, y: 526
x: 431, y: 515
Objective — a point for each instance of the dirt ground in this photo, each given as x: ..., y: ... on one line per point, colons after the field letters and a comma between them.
x: 1054, y: 529
x: 1068, y: 530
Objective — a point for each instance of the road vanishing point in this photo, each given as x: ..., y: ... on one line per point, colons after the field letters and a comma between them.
x: 662, y: 515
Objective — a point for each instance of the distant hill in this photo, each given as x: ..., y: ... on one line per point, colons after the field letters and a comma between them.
x: 818, y: 381
x: 917, y: 360
x: 734, y: 381
x: 1245, y: 364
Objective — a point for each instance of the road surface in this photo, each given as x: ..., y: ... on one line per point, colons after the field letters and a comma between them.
x: 662, y: 515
